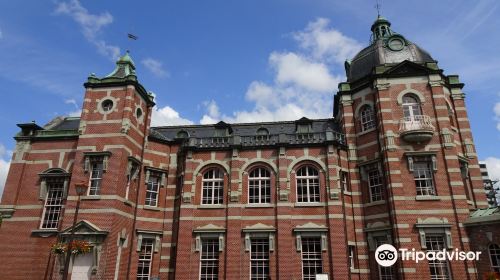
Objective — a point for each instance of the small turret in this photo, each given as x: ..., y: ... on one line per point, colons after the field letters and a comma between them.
x: 381, y: 28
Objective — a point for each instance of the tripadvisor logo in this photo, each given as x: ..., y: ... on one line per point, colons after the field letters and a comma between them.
x: 386, y: 255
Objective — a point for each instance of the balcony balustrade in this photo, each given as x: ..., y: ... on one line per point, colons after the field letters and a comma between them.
x: 417, y: 128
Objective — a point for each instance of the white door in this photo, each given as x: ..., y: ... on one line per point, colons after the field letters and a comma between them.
x: 81, y: 267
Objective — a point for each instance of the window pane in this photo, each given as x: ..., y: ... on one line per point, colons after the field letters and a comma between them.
x: 308, y: 184
x: 422, y: 171
x: 439, y: 269
x: 259, y: 186
x: 53, y: 203
x: 96, y: 177
x: 152, y: 189
x: 209, y: 259
x: 145, y: 259
x: 259, y: 258
x: 494, y: 251
x: 311, y: 257
x: 213, y: 187
x: 375, y: 185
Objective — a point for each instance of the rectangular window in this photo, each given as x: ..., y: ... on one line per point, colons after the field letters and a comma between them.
x: 145, y: 259
x: 343, y: 181
x: 384, y: 273
x: 209, y: 259
x: 53, y: 203
x: 439, y: 269
x: 312, y: 263
x: 422, y: 171
x: 351, y: 259
x: 259, y: 258
x: 152, y: 189
x: 375, y: 185
x: 96, y: 176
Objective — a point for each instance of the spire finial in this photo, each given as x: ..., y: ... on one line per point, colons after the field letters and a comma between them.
x: 377, y: 6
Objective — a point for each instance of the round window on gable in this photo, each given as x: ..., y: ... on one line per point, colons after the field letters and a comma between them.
x: 107, y: 105
x: 182, y: 134
x: 138, y: 113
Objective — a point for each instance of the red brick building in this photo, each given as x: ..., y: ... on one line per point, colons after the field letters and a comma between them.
x: 280, y: 200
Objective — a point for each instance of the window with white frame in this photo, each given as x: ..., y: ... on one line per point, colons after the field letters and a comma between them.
x: 344, y: 185
x: 384, y: 272
x: 53, y: 203
x: 259, y: 258
x: 423, y: 174
x: 145, y: 259
x: 259, y: 186
x: 209, y: 259
x: 439, y: 268
x: 351, y: 258
x: 152, y: 189
x: 367, y: 118
x: 212, y: 187
x: 308, y: 184
x: 96, y: 171
x: 312, y: 262
x: 375, y: 184
x: 411, y: 107
x: 494, y: 252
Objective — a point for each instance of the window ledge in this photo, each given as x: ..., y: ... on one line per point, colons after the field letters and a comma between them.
x: 308, y: 204
x: 366, y: 131
x: 208, y: 206
x: 256, y: 205
x: 90, y: 197
x: 151, y: 208
x: 427, y: 197
x: 44, y: 232
x: 378, y: 202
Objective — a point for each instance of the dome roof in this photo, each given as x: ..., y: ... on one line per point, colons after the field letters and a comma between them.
x: 387, y: 47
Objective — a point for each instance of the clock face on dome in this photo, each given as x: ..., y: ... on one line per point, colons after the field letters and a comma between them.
x: 395, y: 44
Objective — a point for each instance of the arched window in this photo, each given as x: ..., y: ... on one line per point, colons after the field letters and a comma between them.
x: 262, y: 134
x: 259, y: 186
x: 182, y: 134
x: 367, y: 118
x: 213, y: 186
x: 411, y: 107
x: 494, y: 251
x: 308, y: 184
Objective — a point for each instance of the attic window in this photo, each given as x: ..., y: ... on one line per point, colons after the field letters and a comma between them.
x: 182, y: 134
x: 262, y: 131
x: 303, y: 128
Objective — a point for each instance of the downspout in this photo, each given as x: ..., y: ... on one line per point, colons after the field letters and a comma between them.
x: 131, y: 250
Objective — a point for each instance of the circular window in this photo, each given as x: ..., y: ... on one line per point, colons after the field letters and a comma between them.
x: 396, y: 44
x: 138, y: 113
x: 107, y: 105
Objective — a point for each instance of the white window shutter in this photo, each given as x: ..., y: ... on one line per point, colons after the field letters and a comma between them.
x: 410, y: 163
x: 139, y: 243
x: 221, y: 243
x: 43, y: 189
x: 86, y: 165
x: 197, y: 243
x: 298, y: 243
x: 157, y: 244
x: 271, y: 242
x: 247, y: 242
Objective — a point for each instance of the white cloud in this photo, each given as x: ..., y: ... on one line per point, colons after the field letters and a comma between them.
x: 496, y: 110
x: 91, y: 25
x: 4, y: 166
x: 326, y: 43
x: 213, y: 114
x: 493, y: 166
x: 155, y: 67
x: 304, y: 81
x: 77, y: 112
x: 292, y: 68
x: 167, y: 116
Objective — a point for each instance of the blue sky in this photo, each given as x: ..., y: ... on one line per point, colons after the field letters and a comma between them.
x: 233, y: 60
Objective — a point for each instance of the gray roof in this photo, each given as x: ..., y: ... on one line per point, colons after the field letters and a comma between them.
x: 246, y: 129
x: 378, y: 54
x: 489, y: 215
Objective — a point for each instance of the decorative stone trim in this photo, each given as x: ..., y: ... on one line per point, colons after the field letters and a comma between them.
x: 434, y: 225
x: 155, y: 235
x: 209, y: 230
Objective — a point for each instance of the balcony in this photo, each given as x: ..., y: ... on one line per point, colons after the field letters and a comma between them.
x: 416, y: 128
